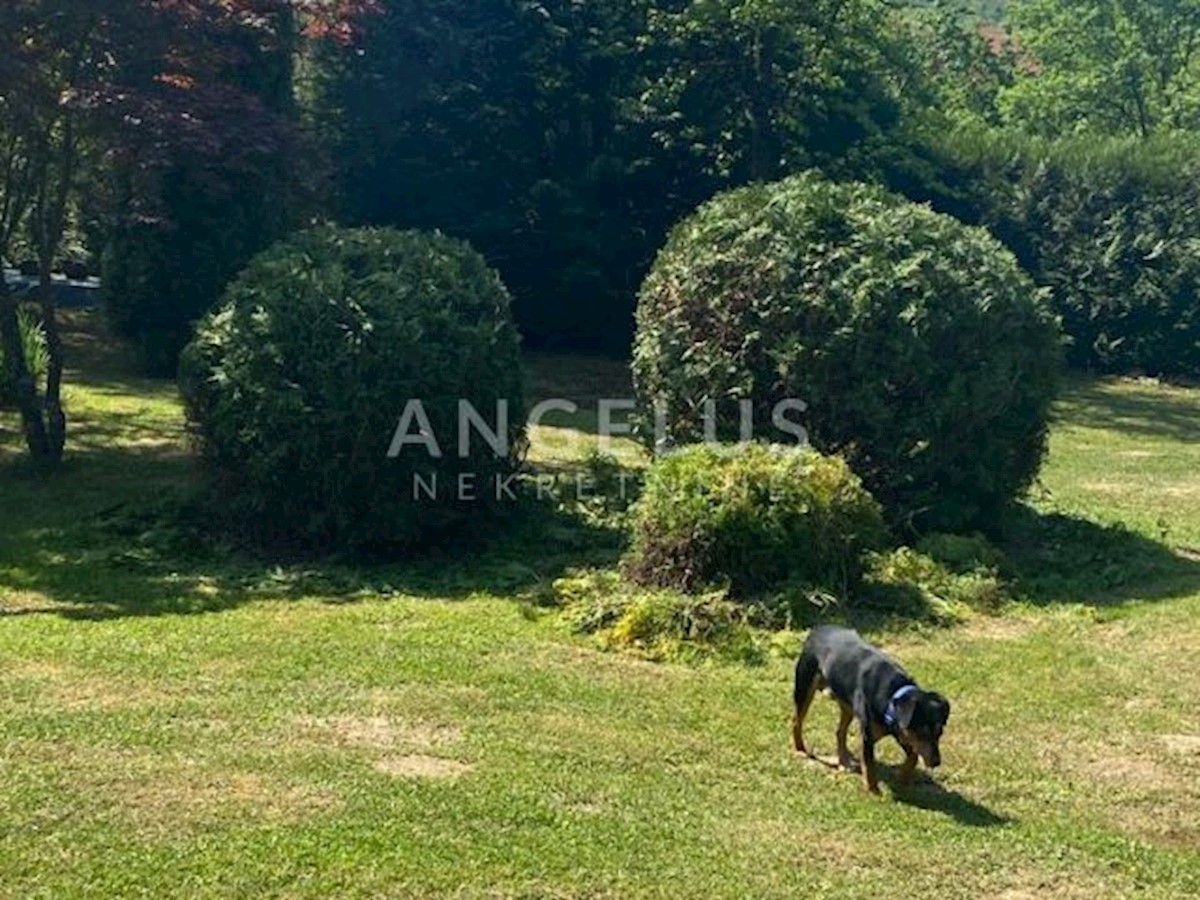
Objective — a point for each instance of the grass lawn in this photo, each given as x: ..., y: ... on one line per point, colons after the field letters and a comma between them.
x: 174, y: 723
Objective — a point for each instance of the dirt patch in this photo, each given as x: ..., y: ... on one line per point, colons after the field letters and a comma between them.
x: 63, y: 686
x: 1150, y: 793
x: 1183, y: 744
x: 382, y: 733
x: 164, y: 793
x: 420, y: 766
x: 1107, y: 487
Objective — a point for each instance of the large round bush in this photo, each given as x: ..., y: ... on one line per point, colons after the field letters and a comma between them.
x: 297, y: 385
x: 753, y: 516
x: 924, y: 356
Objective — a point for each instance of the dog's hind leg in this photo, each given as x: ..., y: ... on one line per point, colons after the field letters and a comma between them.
x: 845, y: 760
x: 808, y: 682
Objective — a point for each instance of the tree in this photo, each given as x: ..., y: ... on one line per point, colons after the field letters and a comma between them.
x: 144, y: 81
x: 507, y: 123
x: 50, y: 49
x: 757, y: 88
x: 1109, y: 66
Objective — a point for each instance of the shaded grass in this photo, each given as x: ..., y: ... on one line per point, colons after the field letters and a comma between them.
x: 411, y: 731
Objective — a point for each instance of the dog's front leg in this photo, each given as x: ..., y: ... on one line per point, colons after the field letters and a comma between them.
x: 908, y: 767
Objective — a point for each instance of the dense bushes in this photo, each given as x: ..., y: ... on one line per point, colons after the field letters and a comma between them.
x: 920, y: 349
x: 37, y: 359
x: 1111, y: 227
x: 753, y: 517
x: 159, y: 277
x: 296, y: 387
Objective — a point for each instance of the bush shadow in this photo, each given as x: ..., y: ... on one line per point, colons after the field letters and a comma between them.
x: 1148, y: 410
x: 1053, y: 557
x: 156, y: 553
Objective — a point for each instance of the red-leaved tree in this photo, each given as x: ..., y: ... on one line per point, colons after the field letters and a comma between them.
x: 145, y: 89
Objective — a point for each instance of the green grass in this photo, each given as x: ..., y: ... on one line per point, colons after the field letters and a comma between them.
x: 175, y: 721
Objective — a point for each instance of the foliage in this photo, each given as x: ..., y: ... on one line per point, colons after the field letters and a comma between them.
x: 296, y: 385
x: 752, y: 517
x: 563, y: 138
x: 920, y: 350
x: 1122, y: 67
x: 758, y: 89
x: 1109, y: 226
x: 505, y: 124
x: 659, y: 625
x: 908, y: 582
x: 33, y: 344
x: 208, y: 164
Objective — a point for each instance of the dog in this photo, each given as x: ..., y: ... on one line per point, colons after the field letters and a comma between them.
x: 875, y: 690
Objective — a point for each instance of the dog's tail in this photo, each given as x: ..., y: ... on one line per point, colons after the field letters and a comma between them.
x: 808, y: 672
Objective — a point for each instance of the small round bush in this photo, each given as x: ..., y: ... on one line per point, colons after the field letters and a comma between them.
x: 296, y: 388
x: 923, y: 354
x: 754, y: 517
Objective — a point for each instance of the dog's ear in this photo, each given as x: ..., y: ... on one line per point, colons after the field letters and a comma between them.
x: 906, y: 707
x: 941, y: 708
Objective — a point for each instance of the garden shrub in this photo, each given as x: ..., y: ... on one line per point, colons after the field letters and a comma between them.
x: 923, y: 353
x: 37, y: 356
x: 1111, y: 227
x: 296, y: 385
x: 752, y: 517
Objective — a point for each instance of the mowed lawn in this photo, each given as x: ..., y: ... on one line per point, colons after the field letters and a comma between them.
x: 178, y: 723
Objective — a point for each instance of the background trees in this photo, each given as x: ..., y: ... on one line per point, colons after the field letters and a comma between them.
x: 1107, y: 66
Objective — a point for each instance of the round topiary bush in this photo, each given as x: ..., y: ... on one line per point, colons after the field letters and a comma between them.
x: 753, y: 516
x: 923, y: 354
x: 296, y: 389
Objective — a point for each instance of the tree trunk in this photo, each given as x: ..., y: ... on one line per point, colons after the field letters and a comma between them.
x: 56, y: 419
x: 32, y: 424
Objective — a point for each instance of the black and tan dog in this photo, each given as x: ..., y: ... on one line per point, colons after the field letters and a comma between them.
x: 875, y: 690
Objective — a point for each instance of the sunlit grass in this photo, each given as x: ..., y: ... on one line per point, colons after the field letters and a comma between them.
x: 177, y: 724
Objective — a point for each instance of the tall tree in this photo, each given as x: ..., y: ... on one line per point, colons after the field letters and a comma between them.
x: 760, y: 87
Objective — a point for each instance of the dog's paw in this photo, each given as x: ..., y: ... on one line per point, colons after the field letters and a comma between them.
x: 849, y: 764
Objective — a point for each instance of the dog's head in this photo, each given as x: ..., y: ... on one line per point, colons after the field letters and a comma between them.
x: 922, y: 717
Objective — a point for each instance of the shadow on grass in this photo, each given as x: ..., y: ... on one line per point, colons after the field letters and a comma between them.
x: 1127, y: 407
x: 1056, y: 558
x: 925, y: 793
x: 69, y: 550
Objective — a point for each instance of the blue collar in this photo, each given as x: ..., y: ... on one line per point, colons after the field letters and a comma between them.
x: 889, y: 714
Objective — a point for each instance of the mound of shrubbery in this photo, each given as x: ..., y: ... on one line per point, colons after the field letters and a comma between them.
x: 1111, y: 227
x: 296, y: 386
x: 923, y: 354
x: 37, y: 359
x: 754, y: 518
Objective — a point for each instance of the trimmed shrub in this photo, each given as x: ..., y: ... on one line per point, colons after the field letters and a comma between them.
x: 296, y: 386
x: 752, y: 517
x: 1110, y: 226
x: 922, y: 351
x: 37, y: 356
